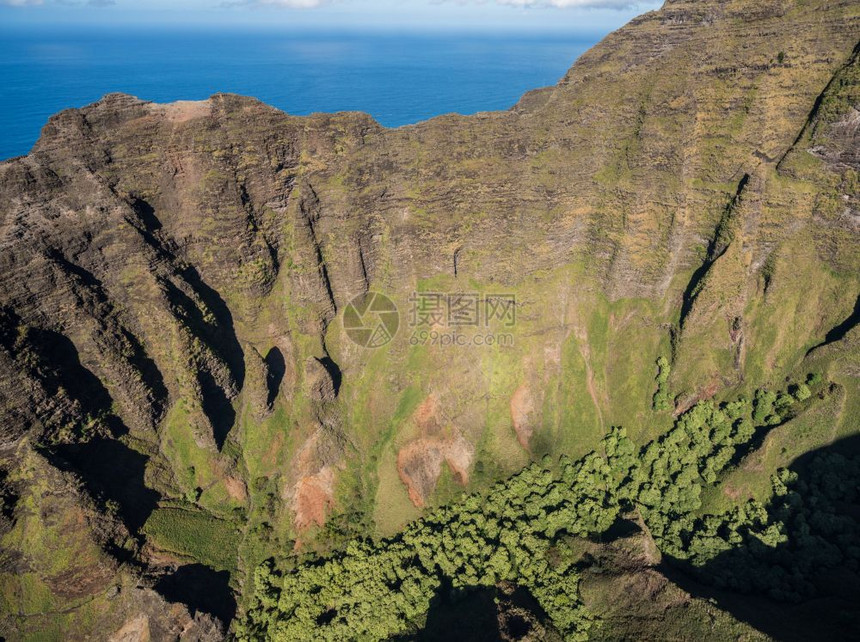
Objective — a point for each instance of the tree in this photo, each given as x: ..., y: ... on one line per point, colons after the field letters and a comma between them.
x: 763, y: 405
x: 661, y: 399
x: 801, y: 392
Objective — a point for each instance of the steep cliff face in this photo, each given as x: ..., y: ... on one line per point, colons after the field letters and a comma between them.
x: 173, y: 278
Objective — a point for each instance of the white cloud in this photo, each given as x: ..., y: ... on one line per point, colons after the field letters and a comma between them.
x: 61, y: 3
x: 558, y: 4
x: 276, y: 4
x: 289, y: 4
x: 567, y: 4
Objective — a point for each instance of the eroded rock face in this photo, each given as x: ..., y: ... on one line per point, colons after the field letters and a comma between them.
x: 323, y: 379
x: 171, y: 275
x: 162, y: 621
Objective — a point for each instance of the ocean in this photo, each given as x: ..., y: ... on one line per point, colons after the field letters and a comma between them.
x: 398, y: 79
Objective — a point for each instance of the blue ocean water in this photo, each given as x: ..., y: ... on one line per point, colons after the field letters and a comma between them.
x: 398, y: 79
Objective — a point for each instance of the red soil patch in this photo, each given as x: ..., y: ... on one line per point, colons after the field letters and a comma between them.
x: 522, y: 414
x: 426, y: 416
x: 419, y: 463
x: 313, y: 498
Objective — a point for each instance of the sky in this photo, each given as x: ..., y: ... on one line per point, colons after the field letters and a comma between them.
x: 478, y: 15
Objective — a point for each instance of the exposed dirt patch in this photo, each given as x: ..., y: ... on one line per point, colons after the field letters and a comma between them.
x: 703, y: 395
x: 313, y: 498
x: 236, y: 489
x: 135, y: 630
x: 523, y: 414
x: 185, y: 110
x: 458, y: 455
x: 426, y: 416
x: 419, y: 463
x: 731, y: 492
x: 312, y: 494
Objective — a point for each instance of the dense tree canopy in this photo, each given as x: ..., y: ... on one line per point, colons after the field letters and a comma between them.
x: 519, y: 530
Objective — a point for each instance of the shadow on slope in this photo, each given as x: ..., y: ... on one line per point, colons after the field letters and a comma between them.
x: 110, y: 471
x: 201, y: 589
x: 206, y: 316
x: 122, y: 339
x: 838, y: 332
x: 483, y: 614
x: 814, y: 573
x: 216, y: 406
x: 276, y: 368
x: 212, y: 323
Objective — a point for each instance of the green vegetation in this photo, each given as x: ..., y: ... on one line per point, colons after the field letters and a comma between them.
x: 523, y: 531
x: 662, y: 400
x: 372, y: 591
x: 777, y: 549
x: 196, y: 535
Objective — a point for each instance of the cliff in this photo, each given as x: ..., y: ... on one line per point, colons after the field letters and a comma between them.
x: 173, y: 361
